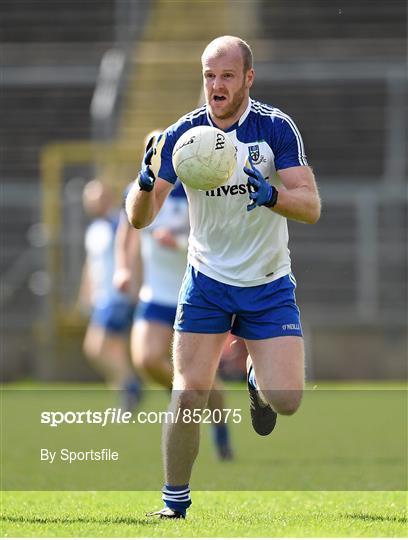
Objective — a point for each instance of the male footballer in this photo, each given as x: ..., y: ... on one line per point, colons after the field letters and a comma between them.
x: 238, y: 276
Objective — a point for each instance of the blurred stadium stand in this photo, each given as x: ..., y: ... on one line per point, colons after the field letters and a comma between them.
x: 82, y: 86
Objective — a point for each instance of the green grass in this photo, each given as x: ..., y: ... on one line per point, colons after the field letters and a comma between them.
x: 213, y: 514
x: 334, y: 443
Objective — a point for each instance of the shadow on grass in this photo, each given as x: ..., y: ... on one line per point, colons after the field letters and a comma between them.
x: 120, y: 520
x: 376, y: 517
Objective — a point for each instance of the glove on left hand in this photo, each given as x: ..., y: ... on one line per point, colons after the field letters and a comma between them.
x: 263, y: 194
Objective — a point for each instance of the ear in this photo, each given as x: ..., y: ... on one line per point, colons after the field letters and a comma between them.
x: 250, y: 76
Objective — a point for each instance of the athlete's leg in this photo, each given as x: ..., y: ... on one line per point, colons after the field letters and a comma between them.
x: 109, y: 354
x: 196, y: 358
x: 150, y: 348
x: 279, y: 370
x: 216, y: 397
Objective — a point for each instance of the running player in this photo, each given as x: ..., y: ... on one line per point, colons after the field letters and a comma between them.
x: 106, y: 338
x: 239, y: 272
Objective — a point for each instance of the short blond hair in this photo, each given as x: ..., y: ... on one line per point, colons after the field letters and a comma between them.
x: 219, y: 46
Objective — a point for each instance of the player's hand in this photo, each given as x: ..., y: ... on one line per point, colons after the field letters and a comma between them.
x: 263, y: 193
x: 146, y: 176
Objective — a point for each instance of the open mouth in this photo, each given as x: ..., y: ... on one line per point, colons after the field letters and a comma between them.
x: 219, y: 98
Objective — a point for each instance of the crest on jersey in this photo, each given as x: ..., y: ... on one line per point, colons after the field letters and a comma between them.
x: 254, y: 152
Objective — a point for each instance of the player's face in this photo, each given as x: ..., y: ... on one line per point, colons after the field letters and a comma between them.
x: 226, y: 86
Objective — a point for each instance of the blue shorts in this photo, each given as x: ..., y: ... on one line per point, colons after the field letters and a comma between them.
x: 150, y: 311
x: 207, y: 306
x: 115, y: 316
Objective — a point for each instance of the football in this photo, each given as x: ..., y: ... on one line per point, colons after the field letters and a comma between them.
x: 204, y: 158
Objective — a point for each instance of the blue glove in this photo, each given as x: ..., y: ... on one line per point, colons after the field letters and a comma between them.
x: 262, y: 193
x: 146, y: 176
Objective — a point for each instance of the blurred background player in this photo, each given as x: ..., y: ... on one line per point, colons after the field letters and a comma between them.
x: 106, y: 338
x: 163, y: 248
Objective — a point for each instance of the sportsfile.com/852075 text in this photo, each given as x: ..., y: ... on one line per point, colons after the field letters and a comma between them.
x: 111, y: 415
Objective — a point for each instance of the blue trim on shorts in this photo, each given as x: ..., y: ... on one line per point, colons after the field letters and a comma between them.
x: 151, y: 311
x: 208, y: 306
x: 115, y: 316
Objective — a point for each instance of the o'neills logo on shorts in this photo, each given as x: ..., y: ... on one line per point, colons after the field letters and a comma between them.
x: 292, y: 326
x: 180, y: 314
x: 240, y: 189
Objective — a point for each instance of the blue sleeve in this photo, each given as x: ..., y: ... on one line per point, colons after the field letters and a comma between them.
x: 287, y: 143
x: 178, y: 191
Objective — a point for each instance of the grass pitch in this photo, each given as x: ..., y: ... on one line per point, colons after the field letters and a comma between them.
x: 213, y: 514
x: 232, y: 513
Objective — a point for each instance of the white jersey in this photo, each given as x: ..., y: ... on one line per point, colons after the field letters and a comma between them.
x: 226, y: 242
x: 99, y: 247
x: 164, y: 267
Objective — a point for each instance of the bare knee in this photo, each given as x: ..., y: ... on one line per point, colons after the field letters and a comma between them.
x: 190, y: 399
x: 146, y: 361
x: 190, y: 392
x: 285, y: 402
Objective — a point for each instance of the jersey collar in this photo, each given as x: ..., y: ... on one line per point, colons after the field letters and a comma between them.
x: 234, y: 126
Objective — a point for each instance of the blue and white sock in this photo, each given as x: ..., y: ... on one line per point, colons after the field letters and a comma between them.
x: 177, y: 497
